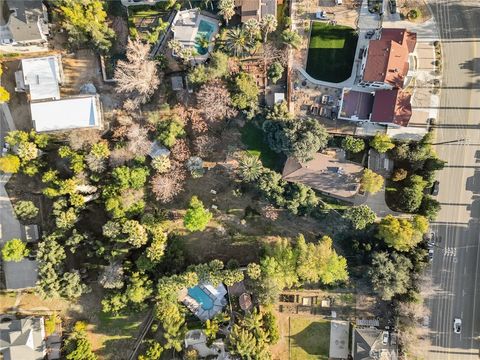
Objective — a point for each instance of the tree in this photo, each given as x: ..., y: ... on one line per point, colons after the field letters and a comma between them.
x: 197, y: 217
x: 137, y: 76
x: 250, y: 167
x: 77, y: 346
x: 238, y: 42
x: 166, y: 187
x: 275, y: 72
x: 169, y: 131
x: 242, y: 343
x: 268, y: 25
x: 14, y: 250
x: 245, y: 94
x: 429, y: 207
x: 390, y: 275
x: 72, y: 286
x: 411, y: 195
x: 139, y: 288
x: 4, y: 95
x: 211, y: 329
x: 252, y: 28
x: 10, y: 163
x: 161, y: 164
x: 136, y: 233
x: 399, y: 175
x: 226, y: 9
x: 254, y: 271
x: 298, y: 138
x: 215, y: 102
x: 25, y: 210
x: 154, y: 352
x: 292, y: 38
x: 371, y: 182
x: 352, y: 144
x: 112, y: 276
x: 382, y: 142
x: 402, y: 234
x: 360, y: 216
x: 86, y: 22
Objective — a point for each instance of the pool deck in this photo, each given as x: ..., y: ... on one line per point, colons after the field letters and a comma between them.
x: 217, y: 295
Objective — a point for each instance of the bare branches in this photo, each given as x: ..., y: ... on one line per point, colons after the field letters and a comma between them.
x: 166, y: 187
x: 215, y: 102
x: 137, y: 77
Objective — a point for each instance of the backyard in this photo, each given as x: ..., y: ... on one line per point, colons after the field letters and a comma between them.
x: 331, y: 52
x: 309, y: 338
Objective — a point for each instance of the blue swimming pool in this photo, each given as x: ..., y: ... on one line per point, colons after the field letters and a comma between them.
x: 201, y: 297
x: 205, y: 30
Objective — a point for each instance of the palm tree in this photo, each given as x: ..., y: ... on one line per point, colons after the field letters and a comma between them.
x: 203, y: 42
x: 250, y: 167
x: 227, y: 9
x: 269, y: 24
x: 252, y: 28
x: 237, y: 42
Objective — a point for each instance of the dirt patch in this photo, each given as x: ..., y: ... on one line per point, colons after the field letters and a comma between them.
x: 80, y: 68
x: 405, y: 8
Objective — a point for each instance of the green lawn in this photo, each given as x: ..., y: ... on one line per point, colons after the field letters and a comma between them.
x: 252, y: 137
x: 309, y: 338
x: 331, y: 52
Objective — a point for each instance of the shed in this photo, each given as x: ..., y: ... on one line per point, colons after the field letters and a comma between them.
x: 158, y: 150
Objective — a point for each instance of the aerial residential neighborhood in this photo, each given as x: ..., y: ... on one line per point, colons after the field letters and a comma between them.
x: 239, y: 179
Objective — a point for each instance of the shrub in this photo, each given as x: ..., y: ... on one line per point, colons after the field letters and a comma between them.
x: 354, y: 145
x: 10, y: 164
x: 196, y: 217
x: 14, y: 250
x: 25, y: 210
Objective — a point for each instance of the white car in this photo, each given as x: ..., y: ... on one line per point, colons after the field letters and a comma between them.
x: 457, y: 325
x: 385, y: 338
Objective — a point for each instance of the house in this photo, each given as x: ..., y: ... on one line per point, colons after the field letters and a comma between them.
x: 327, y: 172
x: 66, y: 114
x: 191, y: 28
x: 367, y: 345
x: 22, y: 339
x: 204, y: 299
x: 40, y: 78
x: 386, y: 63
x: 23, y: 22
x: 255, y: 9
x: 385, y: 107
x: 158, y: 150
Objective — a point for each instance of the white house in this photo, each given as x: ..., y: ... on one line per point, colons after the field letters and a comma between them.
x: 40, y: 78
x: 67, y: 114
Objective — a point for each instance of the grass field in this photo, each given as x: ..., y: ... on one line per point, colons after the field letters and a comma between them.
x: 309, y: 338
x: 331, y: 52
x: 252, y: 137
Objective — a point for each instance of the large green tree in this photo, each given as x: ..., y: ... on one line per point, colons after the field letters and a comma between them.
x: 360, y: 216
x: 390, y: 274
x: 86, y: 23
x: 371, y: 182
x: 400, y: 233
x: 382, y: 142
x: 197, y: 217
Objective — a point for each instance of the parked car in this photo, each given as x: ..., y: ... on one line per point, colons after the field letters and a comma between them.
x: 392, y: 5
x: 426, y: 321
x: 369, y: 34
x: 339, y: 2
x: 457, y: 325
x: 385, y: 338
x: 430, y: 255
x: 435, y: 188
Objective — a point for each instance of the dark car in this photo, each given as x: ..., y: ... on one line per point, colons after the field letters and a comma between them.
x: 392, y: 5
x: 435, y: 189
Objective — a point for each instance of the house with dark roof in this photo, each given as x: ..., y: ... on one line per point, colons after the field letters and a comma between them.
x: 23, y: 22
x: 255, y: 9
x: 367, y: 345
x: 327, y: 172
x: 22, y: 339
x: 386, y: 63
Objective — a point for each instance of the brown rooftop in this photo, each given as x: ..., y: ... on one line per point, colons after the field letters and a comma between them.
x: 387, y: 58
x: 248, y: 9
x: 392, y: 106
x: 356, y: 104
x: 327, y: 172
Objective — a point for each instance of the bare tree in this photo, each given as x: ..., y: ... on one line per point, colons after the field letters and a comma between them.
x: 271, y: 54
x: 270, y: 212
x: 129, y: 197
x: 181, y: 151
x: 95, y: 163
x: 166, y: 187
x: 138, y: 142
x: 215, y: 102
x: 120, y: 156
x: 197, y: 123
x: 203, y: 145
x: 137, y: 76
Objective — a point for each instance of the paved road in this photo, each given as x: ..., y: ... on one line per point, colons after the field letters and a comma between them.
x: 456, y: 262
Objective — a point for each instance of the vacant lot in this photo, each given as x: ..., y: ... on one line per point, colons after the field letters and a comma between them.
x: 331, y: 52
x: 309, y: 338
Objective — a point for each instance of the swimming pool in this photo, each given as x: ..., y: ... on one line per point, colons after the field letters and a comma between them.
x: 201, y: 297
x: 205, y: 30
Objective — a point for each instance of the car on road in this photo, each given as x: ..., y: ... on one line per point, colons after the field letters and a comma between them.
x: 385, y: 338
x: 457, y: 325
x: 426, y: 321
x: 369, y: 34
x: 430, y: 255
x: 392, y: 5
x: 435, y: 188
x: 431, y: 239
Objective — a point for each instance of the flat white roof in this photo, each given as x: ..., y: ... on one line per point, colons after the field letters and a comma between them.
x: 42, y: 76
x: 71, y: 113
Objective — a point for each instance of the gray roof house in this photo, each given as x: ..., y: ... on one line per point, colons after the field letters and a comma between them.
x: 367, y: 345
x: 23, y: 22
x: 22, y: 339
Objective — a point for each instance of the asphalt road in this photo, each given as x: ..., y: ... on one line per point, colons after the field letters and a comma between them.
x: 456, y: 262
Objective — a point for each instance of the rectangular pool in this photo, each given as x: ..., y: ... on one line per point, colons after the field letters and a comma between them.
x: 201, y: 297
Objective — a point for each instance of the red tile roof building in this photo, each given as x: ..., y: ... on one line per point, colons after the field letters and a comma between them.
x: 387, y: 58
x: 391, y: 106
